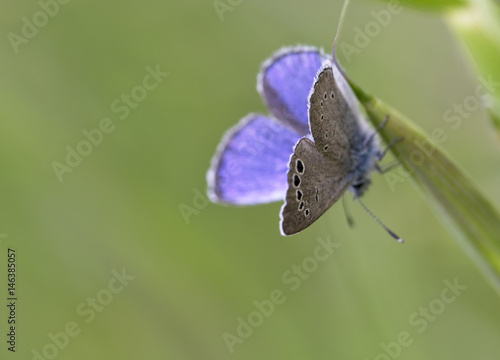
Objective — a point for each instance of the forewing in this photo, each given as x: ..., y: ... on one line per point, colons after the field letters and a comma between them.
x: 336, y: 122
x: 314, y: 184
x: 285, y: 81
x: 251, y: 162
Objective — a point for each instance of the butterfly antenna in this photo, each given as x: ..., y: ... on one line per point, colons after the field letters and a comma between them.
x: 397, y: 238
x: 347, y: 213
x: 341, y: 22
x: 337, y: 35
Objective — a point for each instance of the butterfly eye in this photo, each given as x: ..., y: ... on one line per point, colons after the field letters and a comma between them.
x: 299, y: 195
x: 306, y: 212
x: 332, y: 95
x: 325, y: 147
x: 301, y: 206
x: 325, y: 96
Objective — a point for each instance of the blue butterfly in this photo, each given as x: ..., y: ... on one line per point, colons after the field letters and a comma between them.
x: 313, y: 147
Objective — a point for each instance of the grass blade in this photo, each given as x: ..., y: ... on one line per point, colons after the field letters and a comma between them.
x: 466, y: 211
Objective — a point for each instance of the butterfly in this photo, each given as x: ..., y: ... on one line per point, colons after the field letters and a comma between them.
x: 313, y: 147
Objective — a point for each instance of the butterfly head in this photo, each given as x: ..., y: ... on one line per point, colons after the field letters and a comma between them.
x: 360, y: 186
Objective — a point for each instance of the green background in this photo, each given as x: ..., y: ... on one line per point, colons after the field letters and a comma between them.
x: 120, y: 207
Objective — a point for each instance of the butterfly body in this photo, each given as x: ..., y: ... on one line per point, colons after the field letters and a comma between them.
x: 340, y: 158
x: 318, y: 147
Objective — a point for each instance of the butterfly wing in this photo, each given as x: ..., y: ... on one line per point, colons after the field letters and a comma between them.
x: 314, y: 184
x: 251, y: 162
x: 337, y: 124
x: 284, y: 83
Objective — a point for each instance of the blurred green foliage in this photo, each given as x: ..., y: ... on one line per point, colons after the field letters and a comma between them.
x: 436, y: 5
x: 478, y: 29
x: 119, y: 208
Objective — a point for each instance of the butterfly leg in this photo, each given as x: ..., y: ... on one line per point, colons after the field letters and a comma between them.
x: 381, y: 154
x: 347, y: 213
x: 377, y: 130
x: 387, y: 168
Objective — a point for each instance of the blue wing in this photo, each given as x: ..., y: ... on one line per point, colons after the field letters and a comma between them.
x: 251, y: 162
x: 285, y: 82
